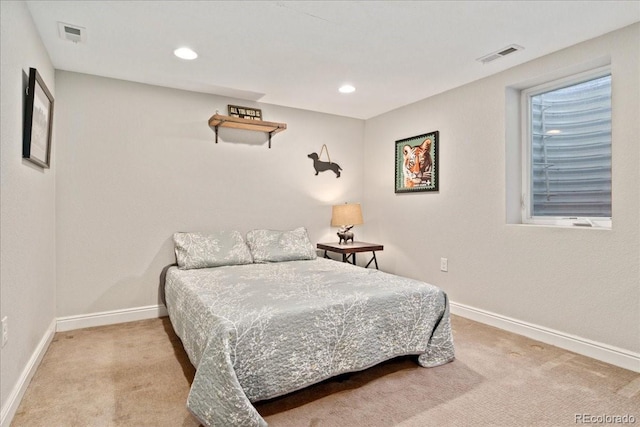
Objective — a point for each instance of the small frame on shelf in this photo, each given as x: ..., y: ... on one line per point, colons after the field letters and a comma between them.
x: 38, y: 120
x: 245, y: 112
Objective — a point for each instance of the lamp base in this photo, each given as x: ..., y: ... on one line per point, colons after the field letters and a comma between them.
x: 345, y: 235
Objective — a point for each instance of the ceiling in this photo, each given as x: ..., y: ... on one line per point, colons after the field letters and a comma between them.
x: 297, y: 53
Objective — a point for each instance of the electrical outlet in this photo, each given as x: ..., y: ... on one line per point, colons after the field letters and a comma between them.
x: 444, y: 264
x: 5, y: 330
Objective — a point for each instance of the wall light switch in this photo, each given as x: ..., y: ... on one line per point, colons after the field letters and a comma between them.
x: 444, y: 264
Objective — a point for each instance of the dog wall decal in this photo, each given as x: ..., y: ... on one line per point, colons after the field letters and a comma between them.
x: 321, y: 166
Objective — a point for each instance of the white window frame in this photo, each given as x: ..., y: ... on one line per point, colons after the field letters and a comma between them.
x: 526, y: 199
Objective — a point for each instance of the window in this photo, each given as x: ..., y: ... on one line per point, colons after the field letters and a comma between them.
x: 567, y: 151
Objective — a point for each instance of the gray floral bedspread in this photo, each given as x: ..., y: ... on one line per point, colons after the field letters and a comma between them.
x: 258, y: 331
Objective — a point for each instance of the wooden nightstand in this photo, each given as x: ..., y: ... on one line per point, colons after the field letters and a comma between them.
x: 349, y: 251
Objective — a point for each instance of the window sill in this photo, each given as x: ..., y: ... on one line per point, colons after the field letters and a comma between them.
x: 596, y: 225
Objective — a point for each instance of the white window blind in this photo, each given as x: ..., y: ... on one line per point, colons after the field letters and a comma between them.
x: 570, y: 143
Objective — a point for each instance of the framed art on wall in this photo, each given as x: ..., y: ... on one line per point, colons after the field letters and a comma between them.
x: 417, y: 163
x: 38, y: 121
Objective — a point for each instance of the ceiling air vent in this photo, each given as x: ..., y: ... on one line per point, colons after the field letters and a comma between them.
x: 499, y: 54
x: 72, y: 33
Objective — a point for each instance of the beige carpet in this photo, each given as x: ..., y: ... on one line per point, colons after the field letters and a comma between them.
x: 137, y: 374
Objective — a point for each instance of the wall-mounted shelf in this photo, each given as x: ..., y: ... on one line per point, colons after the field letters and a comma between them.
x: 271, y: 128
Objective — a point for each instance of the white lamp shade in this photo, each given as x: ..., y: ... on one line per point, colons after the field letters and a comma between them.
x: 347, y: 214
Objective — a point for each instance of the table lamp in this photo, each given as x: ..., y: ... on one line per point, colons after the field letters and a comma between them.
x: 346, y: 216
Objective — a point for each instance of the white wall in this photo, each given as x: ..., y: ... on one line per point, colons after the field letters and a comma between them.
x: 581, y: 282
x: 27, y: 215
x: 138, y: 163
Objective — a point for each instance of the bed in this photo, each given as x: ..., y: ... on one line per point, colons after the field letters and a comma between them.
x: 266, y: 317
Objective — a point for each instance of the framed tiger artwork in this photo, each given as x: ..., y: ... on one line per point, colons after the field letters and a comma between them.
x: 417, y: 163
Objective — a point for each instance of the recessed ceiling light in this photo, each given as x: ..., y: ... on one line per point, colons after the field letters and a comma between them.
x: 185, y: 53
x: 347, y: 89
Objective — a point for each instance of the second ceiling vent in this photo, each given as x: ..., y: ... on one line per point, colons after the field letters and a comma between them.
x: 73, y: 33
x: 501, y: 53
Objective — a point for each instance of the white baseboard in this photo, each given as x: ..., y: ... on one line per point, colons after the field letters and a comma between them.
x: 603, y: 352
x: 13, y: 402
x: 110, y: 317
